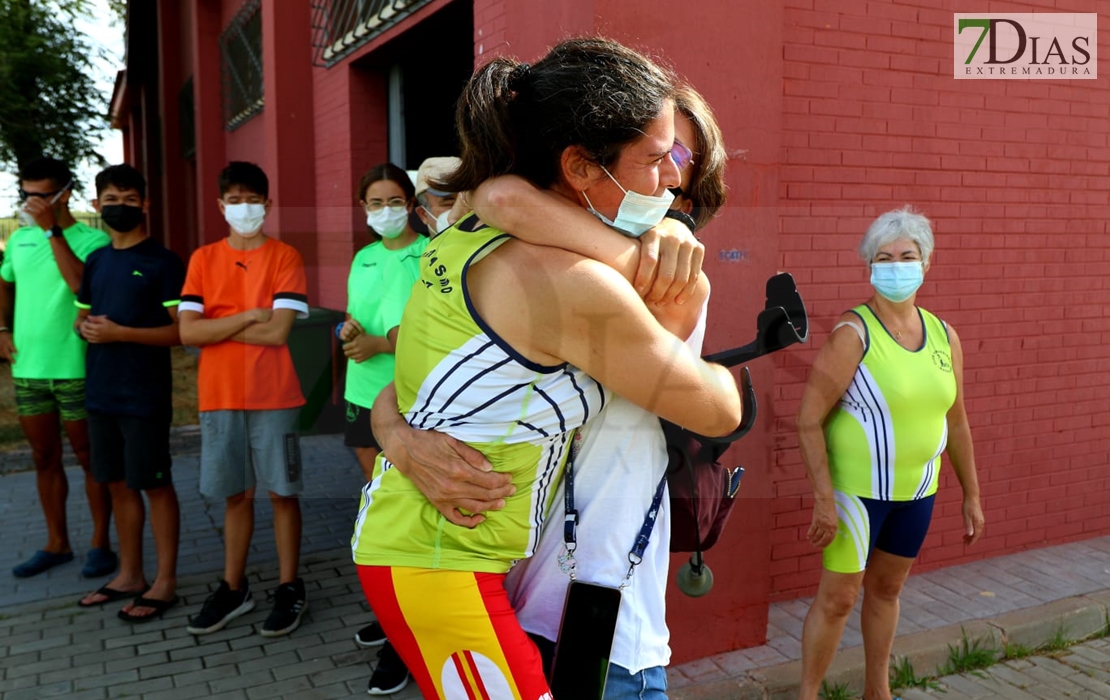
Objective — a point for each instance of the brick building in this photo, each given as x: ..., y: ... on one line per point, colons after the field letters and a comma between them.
x: 834, y: 111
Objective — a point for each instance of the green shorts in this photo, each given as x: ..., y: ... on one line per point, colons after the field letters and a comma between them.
x: 35, y: 397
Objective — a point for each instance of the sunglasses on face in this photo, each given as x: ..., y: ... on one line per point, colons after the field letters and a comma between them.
x: 24, y: 195
x: 681, y: 155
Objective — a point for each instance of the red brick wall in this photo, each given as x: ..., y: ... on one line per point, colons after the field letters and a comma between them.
x: 837, y: 112
x: 734, y: 615
x: 207, y: 24
x: 1015, y: 176
x: 248, y: 142
x: 184, y: 21
x: 350, y: 123
x: 489, y: 30
x: 351, y: 126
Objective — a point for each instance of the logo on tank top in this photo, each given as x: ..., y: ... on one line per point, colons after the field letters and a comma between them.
x: 439, y: 271
x: 943, y: 361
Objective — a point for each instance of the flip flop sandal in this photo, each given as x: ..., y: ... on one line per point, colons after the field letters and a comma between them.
x: 110, y: 596
x: 159, y: 607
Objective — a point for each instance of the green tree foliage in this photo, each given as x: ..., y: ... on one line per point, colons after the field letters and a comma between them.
x: 119, y: 9
x: 49, y: 100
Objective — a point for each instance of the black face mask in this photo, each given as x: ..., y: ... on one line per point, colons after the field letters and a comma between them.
x: 122, y: 218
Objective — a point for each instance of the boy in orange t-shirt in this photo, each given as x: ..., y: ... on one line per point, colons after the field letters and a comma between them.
x: 240, y: 299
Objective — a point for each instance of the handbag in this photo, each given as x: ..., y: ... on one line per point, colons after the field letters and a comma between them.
x: 703, y: 490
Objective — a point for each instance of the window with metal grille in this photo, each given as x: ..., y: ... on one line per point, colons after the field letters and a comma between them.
x: 241, y: 65
x: 341, y: 26
x: 186, y: 121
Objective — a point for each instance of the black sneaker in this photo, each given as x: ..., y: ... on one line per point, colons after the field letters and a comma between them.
x: 289, y: 605
x: 390, y: 675
x: 220, y: 608
x: 371, y: 635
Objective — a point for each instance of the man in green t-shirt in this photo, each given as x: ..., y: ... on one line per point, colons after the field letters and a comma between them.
x: 45, y: 260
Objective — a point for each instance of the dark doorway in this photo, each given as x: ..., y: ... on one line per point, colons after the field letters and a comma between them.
x: 427, y: 67
x: 433, y: 71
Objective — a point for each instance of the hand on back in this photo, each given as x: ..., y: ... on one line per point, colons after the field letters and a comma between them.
x: 454, y: 477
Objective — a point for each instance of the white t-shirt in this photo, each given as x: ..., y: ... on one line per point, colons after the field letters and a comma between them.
x: 622, y: 458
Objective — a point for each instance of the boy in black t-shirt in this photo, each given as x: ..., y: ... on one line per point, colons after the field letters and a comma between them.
x: 128, y: 313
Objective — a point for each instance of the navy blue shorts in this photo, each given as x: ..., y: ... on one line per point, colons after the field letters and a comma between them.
x: 894, y: 527
x: 132, y: 449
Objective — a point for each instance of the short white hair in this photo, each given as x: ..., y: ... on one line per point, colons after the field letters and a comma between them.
x: 895, y: 225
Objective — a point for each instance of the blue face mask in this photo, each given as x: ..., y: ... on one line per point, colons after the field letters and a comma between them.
x: 638, y: 213
x: 897, y: 281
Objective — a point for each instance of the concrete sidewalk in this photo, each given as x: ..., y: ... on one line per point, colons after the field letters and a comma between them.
x: 1079, y: 673
x: 50, y: 647
x: 1024, y: 598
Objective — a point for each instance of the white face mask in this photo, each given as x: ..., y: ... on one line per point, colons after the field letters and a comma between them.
x: 638, y: 213
x: 389, y: 222
x: 439, y: 223
x: 245, y: 218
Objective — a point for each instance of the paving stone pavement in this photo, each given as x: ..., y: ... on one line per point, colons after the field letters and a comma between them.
x: 54, y: 648
x: 332, y: 481
x: 49, y: 647
x: 1081, y: 672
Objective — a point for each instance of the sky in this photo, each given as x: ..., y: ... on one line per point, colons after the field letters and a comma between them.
x: 105, y: 32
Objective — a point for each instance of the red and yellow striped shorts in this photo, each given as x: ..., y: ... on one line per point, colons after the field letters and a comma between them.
x: 456, y: 632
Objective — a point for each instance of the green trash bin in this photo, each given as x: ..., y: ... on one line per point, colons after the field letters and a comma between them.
x: 319, y: 362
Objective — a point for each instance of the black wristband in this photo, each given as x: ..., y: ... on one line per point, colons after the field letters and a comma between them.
x: 682, y: 217
x: 56, y: 231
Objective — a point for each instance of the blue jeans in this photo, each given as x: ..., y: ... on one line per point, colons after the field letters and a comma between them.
x: 649, y: 684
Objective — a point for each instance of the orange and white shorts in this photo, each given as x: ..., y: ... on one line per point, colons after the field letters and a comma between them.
x: 456, y: 632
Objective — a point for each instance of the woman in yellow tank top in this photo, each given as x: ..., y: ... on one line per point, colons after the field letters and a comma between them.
x: 883, y: 401
x: 504, y: 346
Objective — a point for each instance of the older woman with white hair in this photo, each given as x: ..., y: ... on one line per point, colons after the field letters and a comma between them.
x: 883, y: 401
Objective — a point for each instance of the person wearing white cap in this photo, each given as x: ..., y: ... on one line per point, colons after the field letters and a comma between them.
x: 433, y: 205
